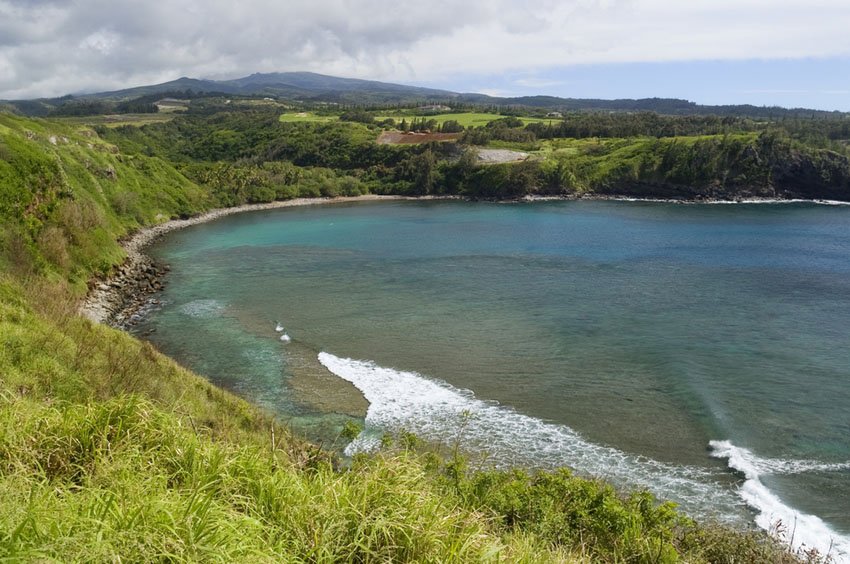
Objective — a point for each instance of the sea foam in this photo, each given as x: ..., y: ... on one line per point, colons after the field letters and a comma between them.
x: 203, y: 309
x: 802, y: 530
x: 441, y: 413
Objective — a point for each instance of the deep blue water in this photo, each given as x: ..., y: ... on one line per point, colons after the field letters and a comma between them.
x: 616, y: 337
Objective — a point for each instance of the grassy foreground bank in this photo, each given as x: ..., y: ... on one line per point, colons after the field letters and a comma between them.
x: 110, y: 451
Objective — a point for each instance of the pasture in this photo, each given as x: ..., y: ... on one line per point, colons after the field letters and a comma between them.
x: 116, y: 120
x: 306, y: 117
x: 466, y: 119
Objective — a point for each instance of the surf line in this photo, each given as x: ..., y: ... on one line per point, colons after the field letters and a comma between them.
x: 804, y: 531
x: 436, y: 411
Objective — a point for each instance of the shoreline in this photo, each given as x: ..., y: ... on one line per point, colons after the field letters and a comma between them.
x: 694, y: 202
x: 114, y: 300
x: 117, y: 298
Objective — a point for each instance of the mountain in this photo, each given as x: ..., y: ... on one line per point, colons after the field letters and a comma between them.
x: 313, y: 87
x: 181, y: 84
x: 306, y: 86
x: 292, y: 85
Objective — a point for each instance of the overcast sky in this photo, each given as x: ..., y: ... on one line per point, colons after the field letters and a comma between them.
x: 785, y: 52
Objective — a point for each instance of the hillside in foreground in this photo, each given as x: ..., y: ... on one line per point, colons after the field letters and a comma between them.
x: 109, y: 450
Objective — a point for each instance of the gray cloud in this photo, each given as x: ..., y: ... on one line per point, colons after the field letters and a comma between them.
x: 50, y: 48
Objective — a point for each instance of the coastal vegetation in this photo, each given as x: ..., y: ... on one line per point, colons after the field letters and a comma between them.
x: 111, y: 451
x: 638, y: 155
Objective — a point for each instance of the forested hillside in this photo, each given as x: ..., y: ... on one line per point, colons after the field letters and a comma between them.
x: 644, y: 155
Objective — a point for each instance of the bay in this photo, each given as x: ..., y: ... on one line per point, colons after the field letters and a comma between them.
x: 700, y: 351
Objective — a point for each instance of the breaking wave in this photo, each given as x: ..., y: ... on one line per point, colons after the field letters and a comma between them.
x: 803, y: 530
x: 439, y: 412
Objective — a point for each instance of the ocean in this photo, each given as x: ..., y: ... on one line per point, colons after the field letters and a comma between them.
x: 700, y: 351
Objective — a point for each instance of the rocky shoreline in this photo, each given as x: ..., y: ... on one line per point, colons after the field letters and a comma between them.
x: 119, y: 299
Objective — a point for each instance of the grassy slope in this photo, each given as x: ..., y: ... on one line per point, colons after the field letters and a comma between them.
x: 117, y: 120
x: 109, y: 450
x: 466, y: 119
x: 73, y: 196
x: 306, y: 117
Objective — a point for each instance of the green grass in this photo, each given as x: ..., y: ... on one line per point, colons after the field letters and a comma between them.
x: 118, y: 120
x: 72, y: 195
x: 466, y: 119
x: 306, y: 117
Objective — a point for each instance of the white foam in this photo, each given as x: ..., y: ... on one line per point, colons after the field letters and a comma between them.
x: 802, y: 530
x: 830, y: 202
x: 780, y: 201
x: 202, y: 309
x: 441, y: 413
x: 729, y: 202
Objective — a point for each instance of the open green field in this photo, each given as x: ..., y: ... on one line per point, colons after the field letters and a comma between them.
x: 306, y: 117
x: 466, y: 119
x: 115, y: 120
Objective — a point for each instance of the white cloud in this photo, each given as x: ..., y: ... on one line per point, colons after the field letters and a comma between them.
x: 101, y: 41
x: 54, y: 47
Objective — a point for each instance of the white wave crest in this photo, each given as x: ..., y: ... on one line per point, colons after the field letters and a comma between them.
x: 202, y: 309
x: 769, y: 201
x: 440, y: 413
x: 804, y: 531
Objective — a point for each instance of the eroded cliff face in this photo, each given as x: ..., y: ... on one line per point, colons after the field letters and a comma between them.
x: 821, y: 175
x: 763, y: 169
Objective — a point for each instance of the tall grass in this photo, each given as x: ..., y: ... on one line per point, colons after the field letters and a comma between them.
x: 122, y: 479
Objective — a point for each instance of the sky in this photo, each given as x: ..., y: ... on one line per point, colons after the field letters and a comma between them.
x: 792, y: 53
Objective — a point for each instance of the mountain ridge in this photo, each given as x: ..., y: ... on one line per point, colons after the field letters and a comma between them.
x: 310, y: 87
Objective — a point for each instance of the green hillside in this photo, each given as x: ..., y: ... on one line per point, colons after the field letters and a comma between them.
x: 109, y: 451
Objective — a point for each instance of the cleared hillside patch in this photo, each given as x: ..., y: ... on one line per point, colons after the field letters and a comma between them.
x: 466, y: 119
x: 306, y: 117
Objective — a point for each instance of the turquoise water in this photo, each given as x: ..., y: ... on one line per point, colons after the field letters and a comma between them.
x: 698, y: 350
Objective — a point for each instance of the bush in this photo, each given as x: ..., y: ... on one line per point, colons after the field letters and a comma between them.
x: 54, y: 247
x: 565, y: 510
